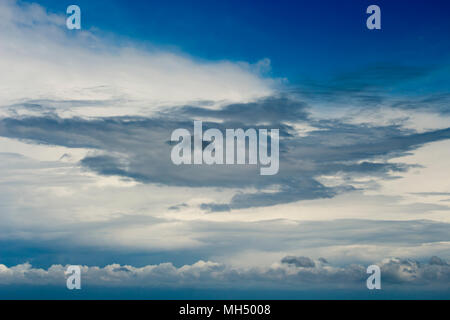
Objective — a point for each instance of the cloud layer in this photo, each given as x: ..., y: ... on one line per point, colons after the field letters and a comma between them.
x: 286, y: 275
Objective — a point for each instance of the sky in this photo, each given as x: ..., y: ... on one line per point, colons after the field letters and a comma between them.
x: 86, y: 177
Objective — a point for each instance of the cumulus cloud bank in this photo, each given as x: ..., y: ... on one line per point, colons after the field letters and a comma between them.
x: 208, y: 274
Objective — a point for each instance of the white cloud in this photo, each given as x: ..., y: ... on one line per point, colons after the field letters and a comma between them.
x: 41, y: 60
x: 208, y: 274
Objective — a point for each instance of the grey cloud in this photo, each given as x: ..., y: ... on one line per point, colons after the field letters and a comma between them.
x: 301, y: 262
x: 268, y: 110
x: 178, y: 206
x: 437, y: 261
x: 427, y: 194
x: 121, y: 268
x: 137, y: 148
x: 277, y: 235
x: 306, y: 189
x: 292, y: 190
x: 215, y: 207
x: 88, y: 241
x: 396, y: 273
x: 400, y: 271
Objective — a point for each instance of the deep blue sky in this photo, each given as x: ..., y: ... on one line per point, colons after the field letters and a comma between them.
x: 303, y: 39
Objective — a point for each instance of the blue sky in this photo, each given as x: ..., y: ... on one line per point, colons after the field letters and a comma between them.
x: 86, y: 118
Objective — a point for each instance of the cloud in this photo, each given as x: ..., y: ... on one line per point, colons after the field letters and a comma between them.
x: 83, y: 74
x: 125, y: 146
x: 208, y: 274
x: 301, y: 262
x: 269, y: 110
x: 437, y: 261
